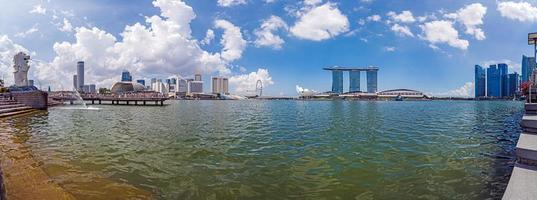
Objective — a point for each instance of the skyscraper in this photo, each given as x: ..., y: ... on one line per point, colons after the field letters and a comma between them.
x: 504, y: 79
x: 354, y: 81
x: 371, y: 81
x: 528, y: 65
x: 126, y: 76
x: 337, y: 81
x: 197, y: 77
x: 80, y: 74
x: 141, y: 81
x: 75, y: 82
x: 514, y: 84
x: 493, y: 82
x: 480, y: 77
x: 219, y: 85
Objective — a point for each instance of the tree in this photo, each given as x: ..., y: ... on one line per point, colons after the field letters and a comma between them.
x: 104, y: 91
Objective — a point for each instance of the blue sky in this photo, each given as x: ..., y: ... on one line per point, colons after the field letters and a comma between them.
x: 430, y: 46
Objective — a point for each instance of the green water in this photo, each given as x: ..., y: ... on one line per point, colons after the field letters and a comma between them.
x: 280, y: 149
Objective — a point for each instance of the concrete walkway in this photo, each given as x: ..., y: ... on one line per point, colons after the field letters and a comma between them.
x: 523, y: 182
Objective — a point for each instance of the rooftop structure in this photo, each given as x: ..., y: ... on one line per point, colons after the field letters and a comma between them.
x: 354, y: 78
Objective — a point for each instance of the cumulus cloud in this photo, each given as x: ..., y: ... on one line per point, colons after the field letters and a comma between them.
x: 66, y: 27
x: 231, y: 40
x: 521, y: 11
x: 7, y: 50
x: 374, y: 18
x: 403, y: 17
x: 513, y: 66
x: 389, y: 49
x: 209, y: 36
x: 265, y: 33
x: 161, y: 46
x: 245, y: 83
x: 320, y: 23
x: 229, y: 3
x: 402, y: 30
x: 467, y: 90
x: 471, y: 17
x: 38, y: 9
x: 442, y: 31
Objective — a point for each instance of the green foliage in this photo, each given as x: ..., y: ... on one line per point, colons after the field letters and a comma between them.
x: 104, y: 91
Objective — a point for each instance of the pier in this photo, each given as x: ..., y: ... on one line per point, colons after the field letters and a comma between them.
x: 115, y: 100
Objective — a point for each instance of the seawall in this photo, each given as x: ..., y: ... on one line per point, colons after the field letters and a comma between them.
x: 35, y: 99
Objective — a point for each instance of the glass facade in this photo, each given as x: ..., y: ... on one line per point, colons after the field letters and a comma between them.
x: 141, y: 81
x: 528, y: 64
x: 513, y: 84
x: 354, y: 81
x: 126, y: 76
x: 493, y: 82
x: 371, y: 81
x: 480, y: 77
x: 504, y: 79
x: 337, y: 81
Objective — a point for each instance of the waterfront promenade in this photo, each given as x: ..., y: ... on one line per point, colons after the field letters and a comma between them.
x: 137, y: 99
x: 523, y: 181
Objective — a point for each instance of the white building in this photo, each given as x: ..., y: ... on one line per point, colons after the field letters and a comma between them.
x: 160, y: 87
x: 219, y: 85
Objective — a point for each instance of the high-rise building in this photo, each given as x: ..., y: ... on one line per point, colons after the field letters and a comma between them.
x: 513, y: 84
x: 480, y: 77
x: 126, y: 76
x: 371, y: 81
x: 219, y: 85
x: 493, y: 82
x: 197, y: 77
x: 80, y: 74
x: 504, y: 79
x: 75, y: 82
x: 528, y: 65
x: 354, y: 81
x: 30, y: 82
x: 92, y: 88
x: 337, y: 81
x: 195, y: 87
x: 141, y: 81
x: 182, y: 86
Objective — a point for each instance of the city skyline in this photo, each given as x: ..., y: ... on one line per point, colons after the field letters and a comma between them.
x: 429, y: 46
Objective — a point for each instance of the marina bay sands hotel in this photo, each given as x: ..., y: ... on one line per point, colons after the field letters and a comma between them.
x: 354, y: 78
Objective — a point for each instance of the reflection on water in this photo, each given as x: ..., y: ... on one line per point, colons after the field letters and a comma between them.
x: 279, y: 149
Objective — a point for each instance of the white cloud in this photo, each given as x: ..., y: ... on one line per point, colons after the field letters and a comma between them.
x: 38, y: 9
x: 209, y: 36
x: 442, y: 31
x: 231, y: 40
x: 467, y: 90
x: 229, y: 3
x: 404, y: 17
x: 33, y: 29
x: 374, y: 18
x: 472, y: 17
x: 312, y: 2
x: 247, y: 82
x: 513, y: 66
x: 389, y: 49
x: 265, y: 35
x: 402, y: 30
x: 160, y: 46
x: 521, y: 11
x: 320, y: 23
x: 66, y: 27
x: 7, y: 50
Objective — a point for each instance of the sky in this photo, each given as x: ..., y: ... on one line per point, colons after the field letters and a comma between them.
x: 430, y: 46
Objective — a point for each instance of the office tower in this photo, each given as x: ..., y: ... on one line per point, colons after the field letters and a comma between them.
x: 493, y: 82
x: 195, y: 87
x: 92, y: 88
x: 197, y: 77
x: 80, y: 74
x: 182, y: 86
x: 504, y: 79
x: 141, y: 81
x: 30, y: 82
x: 219, y: 85
x: 528, y: 65
x: 354, y: 81
x: 337, y: 81
x: 371, y: 81
x: 480, y: 77
x: 126, y: 76
x: 513, y: 84
x: 75, y: 82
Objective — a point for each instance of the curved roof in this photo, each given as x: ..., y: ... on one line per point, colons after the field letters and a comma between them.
x: 121, y: 87
x: 400, y: 90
